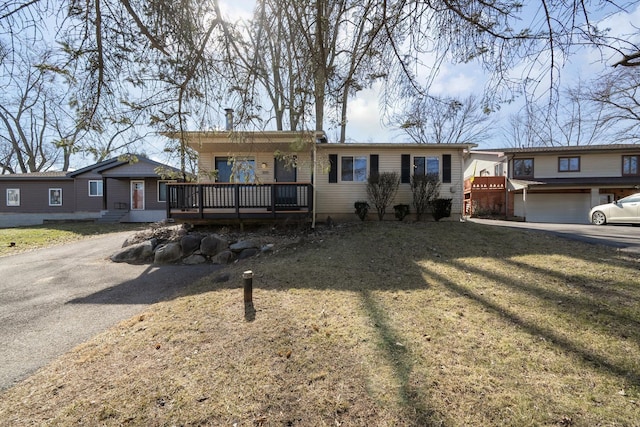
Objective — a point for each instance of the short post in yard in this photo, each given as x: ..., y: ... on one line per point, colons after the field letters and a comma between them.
x: 247, y: 277
x: 249, y: 310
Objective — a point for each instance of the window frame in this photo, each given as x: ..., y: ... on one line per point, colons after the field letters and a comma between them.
x: 100, y: 187
x: 426, y: 171
x: 358, y: 173
x: 162, y: 181
x: 15, y: 192
x: 568, y: 160
x: 524, y: 159
x: 630, y: 157
x: 237, y: 175
x: 52, y: 201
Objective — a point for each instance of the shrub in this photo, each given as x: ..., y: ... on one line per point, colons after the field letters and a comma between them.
x: 441, y: 208
x: 381, y: 189
x: 424, y: 189
x: 401, y: 211
x: 361, y: 209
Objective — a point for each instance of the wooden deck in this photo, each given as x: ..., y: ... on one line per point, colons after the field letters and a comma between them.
x: 225, y: 201
x: 485, y: 195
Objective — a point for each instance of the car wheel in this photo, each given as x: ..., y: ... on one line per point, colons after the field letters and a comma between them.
x: 598, y: 218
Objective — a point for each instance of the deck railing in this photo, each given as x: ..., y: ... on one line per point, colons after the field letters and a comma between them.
x: 226, y: 201
x: 485, y: 183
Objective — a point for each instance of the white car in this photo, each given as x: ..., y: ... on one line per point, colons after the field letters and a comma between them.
x: 625, y: 210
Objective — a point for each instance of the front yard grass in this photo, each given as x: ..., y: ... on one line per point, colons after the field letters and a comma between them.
x: 374, y: 324
x: 19, y: 239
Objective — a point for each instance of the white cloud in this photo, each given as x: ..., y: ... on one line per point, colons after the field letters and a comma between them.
x: 458, y: 80
x: 235, y: 10
x: 363, y: 118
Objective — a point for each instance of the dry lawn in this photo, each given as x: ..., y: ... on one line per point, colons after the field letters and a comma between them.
x: 370, y: 324
x: 19, y: 239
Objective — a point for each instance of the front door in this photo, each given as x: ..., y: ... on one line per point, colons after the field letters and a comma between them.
x: 137, y: 195
x: 284, y: 173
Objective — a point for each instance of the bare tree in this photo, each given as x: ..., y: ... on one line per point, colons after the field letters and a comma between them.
x: 177, y: 61
x: 446, y: 121
x: 307, y: 56
x: 25, y: 119
x: 537, y: 37
x: 573, y: 121
x: 271, y: 62
x: 618, y: 95
x: 523, y: 130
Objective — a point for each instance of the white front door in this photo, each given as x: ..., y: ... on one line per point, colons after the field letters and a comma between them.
x: 137, y: 195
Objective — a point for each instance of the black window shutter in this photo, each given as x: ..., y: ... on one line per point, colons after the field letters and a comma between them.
x: 405, y: 169
x: 446, y: 168
x: 374, y: 159
x: 333, y: 165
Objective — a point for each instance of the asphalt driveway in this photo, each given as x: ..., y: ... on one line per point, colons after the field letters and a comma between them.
x: 56, y: 298
x: 624, y: 237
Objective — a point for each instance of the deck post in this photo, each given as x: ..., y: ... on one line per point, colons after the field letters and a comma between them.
x: 237, y: 197
x: 200, y: 201
x: 168, y: 201
x: 274, y: 191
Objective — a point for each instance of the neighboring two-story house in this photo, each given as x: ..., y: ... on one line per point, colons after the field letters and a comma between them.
x: 561, y: 184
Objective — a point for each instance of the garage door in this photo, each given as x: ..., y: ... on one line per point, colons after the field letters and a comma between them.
x: 561, y: 208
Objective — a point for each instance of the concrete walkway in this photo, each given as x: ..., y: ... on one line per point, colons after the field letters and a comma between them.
x: 56, y: 298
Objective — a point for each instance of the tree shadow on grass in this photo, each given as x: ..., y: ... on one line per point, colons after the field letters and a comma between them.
x: 563, y: 342
x: 399, y: 358
x: 154, y: 284
x: 376, y: 265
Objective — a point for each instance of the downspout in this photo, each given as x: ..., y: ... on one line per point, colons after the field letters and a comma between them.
x: 506, y: 190
x: 461, y: 160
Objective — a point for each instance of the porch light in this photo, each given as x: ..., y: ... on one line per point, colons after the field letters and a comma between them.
x: 264, y: 165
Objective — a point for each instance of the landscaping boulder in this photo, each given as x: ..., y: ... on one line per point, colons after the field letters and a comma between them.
x: 194, y: 259
x: 248, y: 253
x: 190, y: 243
x: 137, y: 253
x: 224, y: 257
x: 242, y: 245
x: 212, y: 244
x: 167, y: 254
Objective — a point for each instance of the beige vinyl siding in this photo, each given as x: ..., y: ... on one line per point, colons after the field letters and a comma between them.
x: 591, y: 165
x: 479, y: 162
x: 338, y: 198
x: 205, y: 166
